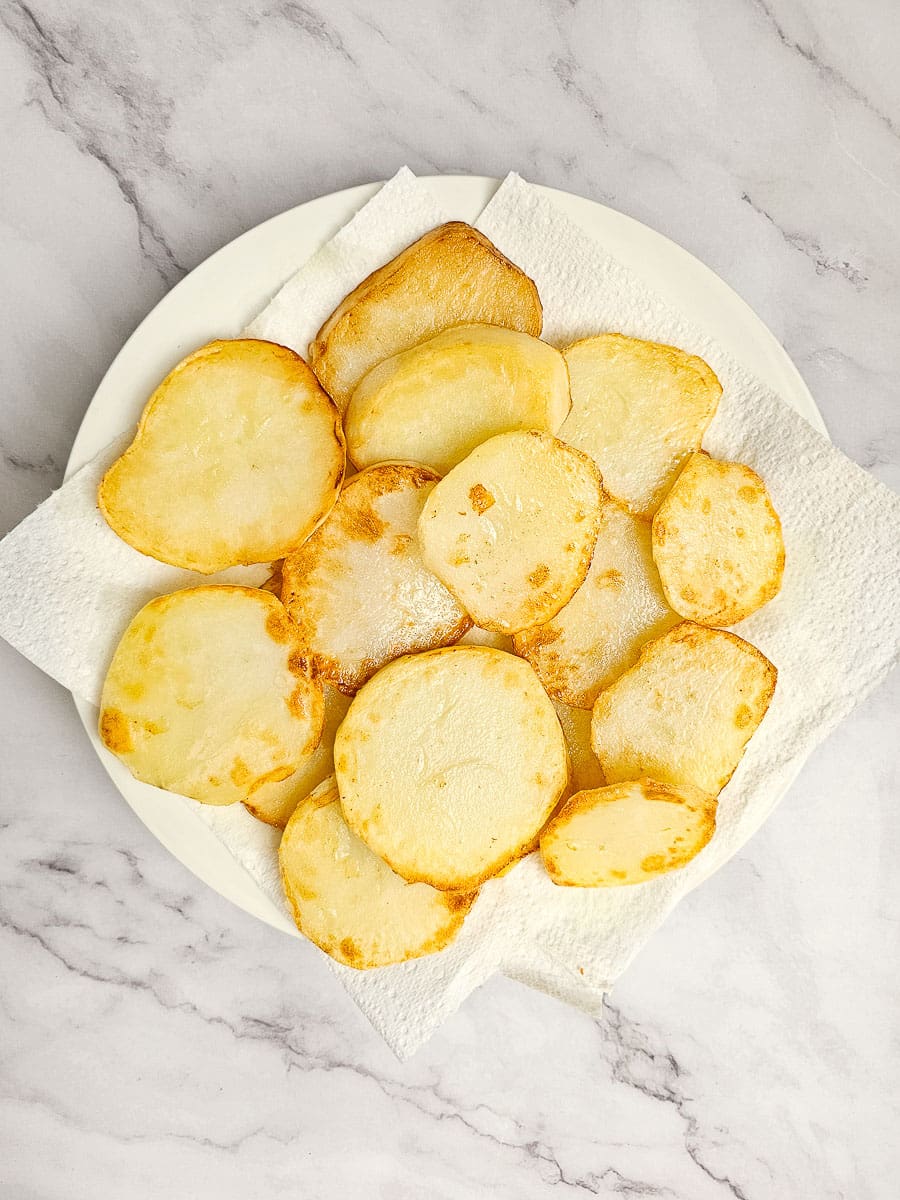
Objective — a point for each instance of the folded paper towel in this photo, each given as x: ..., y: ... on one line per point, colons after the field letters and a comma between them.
x: 68, y: 586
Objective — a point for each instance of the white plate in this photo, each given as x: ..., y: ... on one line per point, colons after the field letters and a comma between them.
x: 222, y: 295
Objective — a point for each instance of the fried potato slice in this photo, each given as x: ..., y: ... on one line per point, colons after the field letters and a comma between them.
x: 685, y: 711
x: 511, y: 530
x: 358, y: 590
x: 639, y: 409
x: 437, y: 401
x: 627, y: 833
x: 238, y: 456
x: 349, y: 902
x: 451, y: 275
x: 273, y: 803
x: 584, y: 768
x: 717, y: 542
x: 205, y: 695
x: 600, y: 632
x: 448, y: 764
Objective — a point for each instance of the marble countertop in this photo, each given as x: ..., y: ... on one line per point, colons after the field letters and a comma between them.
x: 158, y: 1042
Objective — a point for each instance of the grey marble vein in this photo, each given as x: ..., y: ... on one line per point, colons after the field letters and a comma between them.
x: 566, y: 69
x: 810, y: 247
x: 61, y: 70
x: 824, y: 69
x: 46, y: 465
x: 312, y: 23
x: 658, y: 1075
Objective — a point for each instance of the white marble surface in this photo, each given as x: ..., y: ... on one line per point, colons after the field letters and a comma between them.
x: 157, y: 1042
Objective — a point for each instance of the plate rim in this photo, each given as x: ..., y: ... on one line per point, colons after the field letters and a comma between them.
x: 215, y: 861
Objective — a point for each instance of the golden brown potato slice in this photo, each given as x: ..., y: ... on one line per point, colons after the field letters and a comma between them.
x: 237, y: 457
x: 358, y: 590
x: 274, y: 802
x: 448, y: 764
x: 685, y: 712
x: 437, y: 401
x: 205, y: 695
x: 511, y: 530
x: 717, y: 542
x: 349, y: 902
x: 600, y: 632
x: 626, y: 833
x: 451, y: 275
x: 639, y: 409
x: 584, y: 767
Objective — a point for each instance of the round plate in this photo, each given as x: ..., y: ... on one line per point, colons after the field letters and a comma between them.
x: 223, y: 294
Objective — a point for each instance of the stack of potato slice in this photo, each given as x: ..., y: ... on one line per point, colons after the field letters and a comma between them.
x: 503, y: 633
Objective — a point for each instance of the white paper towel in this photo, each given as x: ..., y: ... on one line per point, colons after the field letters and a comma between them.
x: 68, y: 587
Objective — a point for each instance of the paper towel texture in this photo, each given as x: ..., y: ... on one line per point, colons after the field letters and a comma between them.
x: 68, y: 586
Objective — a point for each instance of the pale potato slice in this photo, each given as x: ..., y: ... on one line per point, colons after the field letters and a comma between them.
x: 584, y: 768
x: 448, y: 764
x: 349, y: 902
x: 237, y: 458
x: 206, y: 695
x: 685, y: 712
x: 511, y: 530
x: 273, y: 803
x: 639, y: 409
x: 358, y: 590
x: 627, y: 833
x: 452, y: 274
x: 437, y: 401
x: 600, y: 632
x: 717, y: 542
